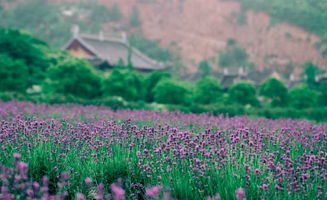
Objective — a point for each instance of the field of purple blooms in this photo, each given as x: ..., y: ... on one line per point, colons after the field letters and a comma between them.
x: 78, y: 152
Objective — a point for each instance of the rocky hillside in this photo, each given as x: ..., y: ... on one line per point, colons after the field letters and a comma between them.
x: 200, y: 30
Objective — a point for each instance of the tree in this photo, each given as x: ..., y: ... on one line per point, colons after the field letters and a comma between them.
x: 233, y: 57
x: 13, y: 74
x: 301, y: 96
x: 126, y: 84
x: 323, y: 94
x: 208, y: 91
x: 243, y: 93
x: 41, y: 18
x: 170, y: 91
x: 310, y: 73
x: 150, y: 47
x: 75, y: 77
x: 275, y: 90
x: 204, y: 69
x: 114, y: 12
x: 134, y: 20
x: 29, y: 50
x: 151, y: 81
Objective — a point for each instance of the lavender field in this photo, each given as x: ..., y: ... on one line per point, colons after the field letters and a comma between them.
x: 76, y: 152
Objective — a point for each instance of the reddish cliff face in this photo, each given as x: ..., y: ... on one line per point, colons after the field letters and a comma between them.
x: 201, y: 28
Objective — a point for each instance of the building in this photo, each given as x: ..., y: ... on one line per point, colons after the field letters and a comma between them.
x: 106, y: 53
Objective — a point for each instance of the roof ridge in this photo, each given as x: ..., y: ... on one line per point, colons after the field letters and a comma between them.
x: 80, y: 39
x: 105, y: 38
x: 112, y: 39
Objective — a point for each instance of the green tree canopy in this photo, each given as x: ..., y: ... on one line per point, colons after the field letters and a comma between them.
x: 126, y: 84
x: 233, y: 56
x: 134, y: 19
x: 151, y: 81
x: 204, y: 69
x: 29, y: 50
x: 13, y: 74
x: 207, y: 91
x: 243, y: 93
x: 310, y: 72
x: 301, y: 96
x: 114, y: 12
x: 275, y: 90
x: 75, y: 77
x: 170, y: 91
x: 323, y: 94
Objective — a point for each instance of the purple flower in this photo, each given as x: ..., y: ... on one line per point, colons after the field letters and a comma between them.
x: 240, y: 194
x: 80, y: 196
x: 17, y: 156
x: 65, y: 176
x: 119, y: 193
x: 153, y: 191
x: 88, y: 181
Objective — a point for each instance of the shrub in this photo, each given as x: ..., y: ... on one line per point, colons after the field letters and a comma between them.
x: 127, y: 84
x: 75, y: 77
x: 151, y: 81
x: 243, y: 93
x: 169, y: 91
x: 208, y: 91
x: 275, y: 90
x: 114, y: 103
x: 301, y: 96
x: 13, y: 74
x: 323, y: 94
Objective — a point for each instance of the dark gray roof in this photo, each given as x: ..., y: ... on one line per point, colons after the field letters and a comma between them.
x: 259, y: 76
x: 228, y: 80
x: 112, y: 50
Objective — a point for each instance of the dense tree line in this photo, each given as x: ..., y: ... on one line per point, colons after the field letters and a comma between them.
x: 30, y: 68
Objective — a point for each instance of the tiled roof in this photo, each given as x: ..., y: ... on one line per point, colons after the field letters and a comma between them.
x: 113, y: 50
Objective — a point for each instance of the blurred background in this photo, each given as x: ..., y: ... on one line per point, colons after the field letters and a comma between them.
x: 235, y: 57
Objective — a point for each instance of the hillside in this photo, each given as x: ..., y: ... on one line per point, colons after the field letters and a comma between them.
x: 193, y: 29
x: 200, y: 30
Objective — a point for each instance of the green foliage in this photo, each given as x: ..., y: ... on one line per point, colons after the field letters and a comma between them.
x: 40, y: 18
x: 100, y: 13
x: 275, y: 90
x: 134, y: 20
x: 74, y: 76
x: 204, y: 69
x: 13, y: 74
x: 309, y: 14
x: 126, y: 84
x: 45, y: 19
x: 170, y: 91
x: 310, y: 73
x: 114, y: 12
x: 323, y: 94
x: 149, y: 47
x: 208, y: 90
x: 301, y: 96
x: 27, y: 49
x: 233, y: 56
x: 151, y: 81
x: 243, y: 93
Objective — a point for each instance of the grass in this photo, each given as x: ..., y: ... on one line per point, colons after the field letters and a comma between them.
x: 107, y: 156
